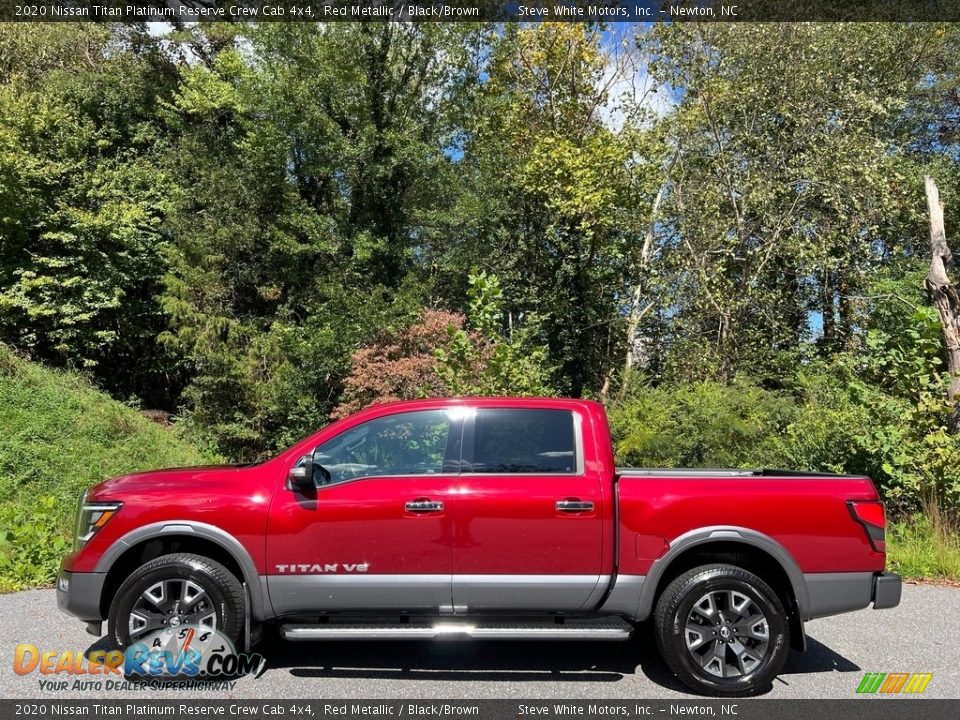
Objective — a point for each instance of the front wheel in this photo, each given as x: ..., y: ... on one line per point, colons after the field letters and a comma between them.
x: 173, y: 591
x: 722, y: 631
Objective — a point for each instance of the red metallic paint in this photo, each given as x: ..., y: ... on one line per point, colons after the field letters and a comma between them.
x: 807, y: 515
x: 498, y: 525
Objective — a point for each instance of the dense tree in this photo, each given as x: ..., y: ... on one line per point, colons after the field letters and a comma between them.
x: 83, y: 197
x: 787, y: 189
x: 265, y: 227
x: 554, y: 197
x: 296, y: 224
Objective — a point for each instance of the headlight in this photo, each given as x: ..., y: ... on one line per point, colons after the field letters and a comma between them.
x: 91, y: 516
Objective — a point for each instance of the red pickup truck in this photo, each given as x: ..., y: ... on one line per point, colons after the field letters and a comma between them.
x: 486, y: 518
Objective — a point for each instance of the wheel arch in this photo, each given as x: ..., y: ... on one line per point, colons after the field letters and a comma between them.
x: 143, y: 544
x: 752, y: 550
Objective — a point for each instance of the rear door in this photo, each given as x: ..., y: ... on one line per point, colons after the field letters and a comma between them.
x: 527, y: 526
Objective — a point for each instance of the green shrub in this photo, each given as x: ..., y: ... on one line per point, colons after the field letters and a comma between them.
x: 703, y: 424
x: 845, y: 424
x: 33, y: 540
x: 60, y: 436
x: 924, y: 545
x: 480, y: 360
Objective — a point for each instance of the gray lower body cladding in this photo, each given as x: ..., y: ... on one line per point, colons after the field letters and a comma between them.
x: 834, y: 593
x: 79, y: 594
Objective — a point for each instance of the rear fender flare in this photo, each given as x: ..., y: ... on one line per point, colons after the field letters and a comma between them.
x: 722, y: 533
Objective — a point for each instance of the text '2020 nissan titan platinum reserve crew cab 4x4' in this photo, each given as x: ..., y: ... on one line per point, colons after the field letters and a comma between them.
x: 485, y: 518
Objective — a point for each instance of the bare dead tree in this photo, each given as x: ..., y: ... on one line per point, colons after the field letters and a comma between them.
x: 944, y: 296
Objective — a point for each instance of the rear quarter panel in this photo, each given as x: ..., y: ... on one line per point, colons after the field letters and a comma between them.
x: 807, y: 516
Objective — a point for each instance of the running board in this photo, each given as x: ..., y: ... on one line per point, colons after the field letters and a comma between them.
x: 611, y: 628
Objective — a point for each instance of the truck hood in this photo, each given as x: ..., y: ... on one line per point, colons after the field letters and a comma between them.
x: 163, y: 481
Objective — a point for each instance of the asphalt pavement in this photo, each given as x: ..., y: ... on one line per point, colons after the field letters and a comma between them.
x: 921, y: 635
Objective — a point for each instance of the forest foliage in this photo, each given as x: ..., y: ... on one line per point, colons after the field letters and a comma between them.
x: 717, y: 230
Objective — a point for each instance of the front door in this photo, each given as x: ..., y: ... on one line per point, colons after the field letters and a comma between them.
x: 374, y: 534
x: 527, y: 526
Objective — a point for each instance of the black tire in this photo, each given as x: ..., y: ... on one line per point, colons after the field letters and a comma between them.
x: 223, y: 595
x: 728, y: 657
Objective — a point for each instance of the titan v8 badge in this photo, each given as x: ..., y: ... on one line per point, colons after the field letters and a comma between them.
x: 325, y: 568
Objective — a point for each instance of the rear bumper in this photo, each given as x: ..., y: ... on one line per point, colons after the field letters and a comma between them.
x: 887, y: 587
x: 78, y: 594
x: 835, y: 593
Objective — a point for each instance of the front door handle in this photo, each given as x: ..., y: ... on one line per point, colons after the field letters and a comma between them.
x: 422, y: 505
x: 574, y: 506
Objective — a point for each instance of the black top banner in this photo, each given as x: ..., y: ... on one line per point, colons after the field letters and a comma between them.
x: 623, y: 709
x: 607, y: 11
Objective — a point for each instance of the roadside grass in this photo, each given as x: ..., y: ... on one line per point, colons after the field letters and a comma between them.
x: 925, y: 546
x: 58, y: 436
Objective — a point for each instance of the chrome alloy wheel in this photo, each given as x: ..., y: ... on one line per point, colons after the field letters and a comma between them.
x: 171, y: 604
x: 727, y: 634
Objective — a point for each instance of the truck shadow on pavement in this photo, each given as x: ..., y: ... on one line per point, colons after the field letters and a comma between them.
x: 493, y: 661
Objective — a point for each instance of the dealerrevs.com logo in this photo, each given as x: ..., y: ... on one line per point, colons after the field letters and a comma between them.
x: 894, y: 683
x: 185, y: 658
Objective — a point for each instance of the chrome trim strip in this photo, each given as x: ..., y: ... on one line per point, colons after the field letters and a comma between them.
x: 578, y: 441
x: 413, y: 579
x: 534, y: 630
x: 528, y: 579
x: 383, y: 580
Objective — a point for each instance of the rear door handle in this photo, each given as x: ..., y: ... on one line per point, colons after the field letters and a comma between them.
x: 574, y: 506
x: 423, y: 506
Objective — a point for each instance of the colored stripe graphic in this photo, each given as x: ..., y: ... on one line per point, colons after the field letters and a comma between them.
x: 918, y: 682
x: 871, y: 682
x: 892, y: 683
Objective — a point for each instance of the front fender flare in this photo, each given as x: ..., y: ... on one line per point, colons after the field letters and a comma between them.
x: 259, y: 607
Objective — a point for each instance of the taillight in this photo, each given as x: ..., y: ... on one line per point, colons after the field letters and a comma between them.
x: 870, y: 514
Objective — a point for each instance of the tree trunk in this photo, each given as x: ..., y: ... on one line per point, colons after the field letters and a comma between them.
x: 637, y: 313
x: 829, y: 310
x: 646, y: 252
x: 945, y: 297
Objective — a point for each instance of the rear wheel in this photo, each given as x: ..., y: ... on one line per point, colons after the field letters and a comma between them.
x: 722, y: 631
x: 179, y: 590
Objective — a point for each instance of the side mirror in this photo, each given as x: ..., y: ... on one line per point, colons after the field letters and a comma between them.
x: 301, y: 474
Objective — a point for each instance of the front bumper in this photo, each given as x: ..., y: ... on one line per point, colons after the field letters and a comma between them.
x: 887, y: 587
x: 79, y: 594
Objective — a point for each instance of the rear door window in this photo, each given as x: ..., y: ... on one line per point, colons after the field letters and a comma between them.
x: 521, y: 441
